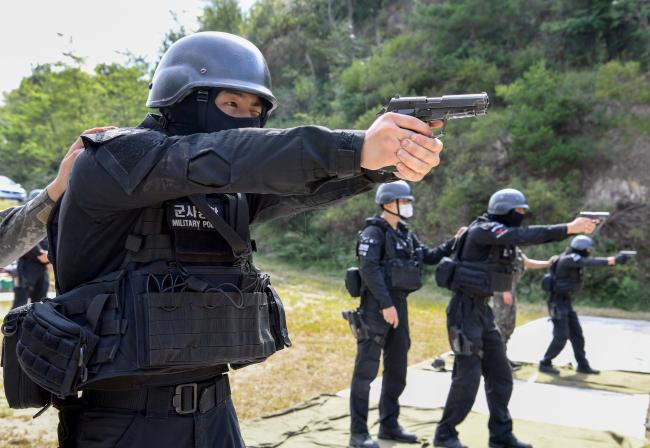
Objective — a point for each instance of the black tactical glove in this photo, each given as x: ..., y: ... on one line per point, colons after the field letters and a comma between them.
x: 621, y: 258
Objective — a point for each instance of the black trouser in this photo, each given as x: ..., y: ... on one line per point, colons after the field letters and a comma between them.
x: 395, y: 346
x: 32, y: 287
x: 475, y: 320
x: 146, y: 418
x: 566, y: 327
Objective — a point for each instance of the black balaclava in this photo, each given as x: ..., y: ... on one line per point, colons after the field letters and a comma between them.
x: 583, y: 253
x: 191, y: 116
x: 510, y: 219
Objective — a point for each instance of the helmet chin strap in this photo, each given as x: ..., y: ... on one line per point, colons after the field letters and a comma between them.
x: 393, y: 213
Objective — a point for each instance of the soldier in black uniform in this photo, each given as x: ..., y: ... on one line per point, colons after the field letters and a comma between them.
x: 484, y: 264
x: 390, y: 264
x: 566, y: 279
x: 32, y: 280
x: 156, y: 219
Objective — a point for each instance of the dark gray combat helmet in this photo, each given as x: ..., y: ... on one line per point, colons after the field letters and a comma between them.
x: 505, y: 200
x: 582, y: 242
x: 210, y: 59
x: 393, y: 191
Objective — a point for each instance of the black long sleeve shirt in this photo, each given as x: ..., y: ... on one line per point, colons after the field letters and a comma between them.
x: 282, y: 172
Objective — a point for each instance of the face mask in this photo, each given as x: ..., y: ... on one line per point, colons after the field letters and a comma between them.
x: 511, y: 219
x: 183, y: 118
x: 217, y: 120
x: 405, y: 210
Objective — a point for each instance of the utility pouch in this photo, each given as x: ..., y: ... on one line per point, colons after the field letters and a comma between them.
x: 20, y: 390
x: 353, y: 281
x: 279, y: 328
x: 472, y: 280
x: 405, y: 275
x: 547, y: 283
x: 197, y: 329
x: 565, y: 286
x: 53, y: 350
x: 445, y: 272
x: 360, y: 330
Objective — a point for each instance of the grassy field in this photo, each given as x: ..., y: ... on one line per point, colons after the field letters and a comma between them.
x: 320, y: 360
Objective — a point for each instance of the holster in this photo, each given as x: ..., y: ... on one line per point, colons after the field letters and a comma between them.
x: 461, y: 345
x: 360, y: 330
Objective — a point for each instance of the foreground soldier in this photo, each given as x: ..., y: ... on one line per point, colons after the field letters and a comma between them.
x: 566, y: 279
x: 504, y: 303
x: 155, y: 224
x: 390, y: 264
x: 484, y: 264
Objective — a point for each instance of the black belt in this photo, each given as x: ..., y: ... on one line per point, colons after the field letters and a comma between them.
x: 159, y: 401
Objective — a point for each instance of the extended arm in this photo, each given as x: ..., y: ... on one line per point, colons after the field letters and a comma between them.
x: 146, y: 167
x: 499, y: 234
x: 264, y: 207
x: 529, y: 263
x: 433, y: 256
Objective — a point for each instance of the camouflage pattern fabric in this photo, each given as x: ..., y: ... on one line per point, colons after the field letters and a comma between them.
x: 505, y: 316
x: 21, y: 228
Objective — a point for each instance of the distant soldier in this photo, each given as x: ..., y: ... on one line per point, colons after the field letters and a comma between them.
x: 504, y: 303
x: 567, y: 279
x: 484, y: 264
x: 390, y: 263
x: 32, y: 280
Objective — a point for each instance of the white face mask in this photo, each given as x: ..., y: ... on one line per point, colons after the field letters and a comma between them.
x: 406, y: 210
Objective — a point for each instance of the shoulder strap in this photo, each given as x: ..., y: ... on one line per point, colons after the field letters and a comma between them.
x: 240, y: 247
x: 389, y: 244
x: 459, y: 245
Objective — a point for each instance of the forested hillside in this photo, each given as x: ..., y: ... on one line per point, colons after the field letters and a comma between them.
x: 569, y: 122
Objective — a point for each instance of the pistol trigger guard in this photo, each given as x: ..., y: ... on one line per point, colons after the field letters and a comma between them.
x: 442, y: 129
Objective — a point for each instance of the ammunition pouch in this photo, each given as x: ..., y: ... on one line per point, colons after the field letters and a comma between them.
x: 353, y: 281
x: 55, y: 351
x: 445, y: 272
x: 481, y: 279
x: 547, y: 282
x: 566, y: 286
x: 404, y: 274
x: 21, y: 392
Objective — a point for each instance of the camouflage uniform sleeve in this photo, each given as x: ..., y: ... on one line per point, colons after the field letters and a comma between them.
x: 21, y: 228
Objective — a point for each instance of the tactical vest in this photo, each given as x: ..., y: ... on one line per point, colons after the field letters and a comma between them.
x: 567, y: 279
x: 187, y: 299
x: 484, y: 278
x: 402, y: 266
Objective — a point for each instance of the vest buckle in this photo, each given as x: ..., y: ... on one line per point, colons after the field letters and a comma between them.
x: 185, y: 398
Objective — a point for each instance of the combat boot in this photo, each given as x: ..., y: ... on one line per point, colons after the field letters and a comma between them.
x: 397, y: 433
x: 547, y: 367
x: 509, y: 441
x: 451, y: 442
x: 362, y: 441
x: 586, y: 369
